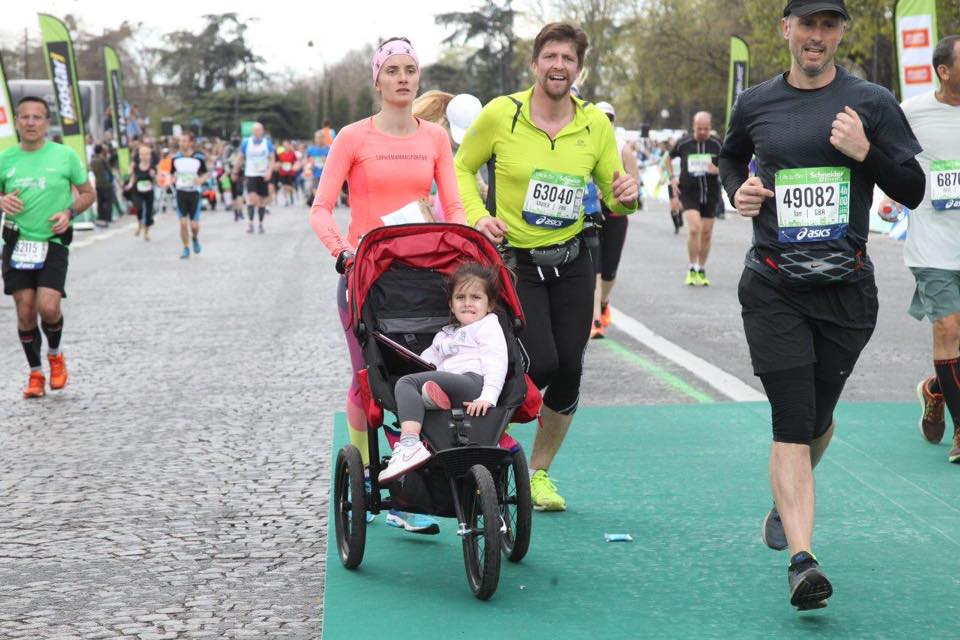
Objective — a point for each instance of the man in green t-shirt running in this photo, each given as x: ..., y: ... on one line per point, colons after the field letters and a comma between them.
x: 37, y: 183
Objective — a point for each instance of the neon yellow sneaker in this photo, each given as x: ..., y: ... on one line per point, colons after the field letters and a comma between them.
x: 702, y: 278
x: 692, y: 279
x: 544, y: 493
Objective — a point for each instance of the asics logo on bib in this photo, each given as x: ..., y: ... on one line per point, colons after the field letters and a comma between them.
x: 810, y: 234
x: 549, y: 222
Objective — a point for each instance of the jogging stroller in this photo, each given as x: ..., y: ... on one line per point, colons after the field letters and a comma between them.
x: 397, y: 304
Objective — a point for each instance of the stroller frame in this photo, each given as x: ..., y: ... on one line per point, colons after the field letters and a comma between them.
x: 485, y: 487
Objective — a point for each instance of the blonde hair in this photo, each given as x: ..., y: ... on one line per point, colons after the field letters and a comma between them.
x: 432, y: 107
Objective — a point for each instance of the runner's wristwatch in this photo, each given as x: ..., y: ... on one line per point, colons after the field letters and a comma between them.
x: 73, y: 212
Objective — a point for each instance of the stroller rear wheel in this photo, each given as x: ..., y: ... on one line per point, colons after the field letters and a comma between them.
x: 350, y: 506
x: 481, y: 541
x: 516, y: 508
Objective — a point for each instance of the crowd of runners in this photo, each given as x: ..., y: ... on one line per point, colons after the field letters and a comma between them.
x: 542, y: 174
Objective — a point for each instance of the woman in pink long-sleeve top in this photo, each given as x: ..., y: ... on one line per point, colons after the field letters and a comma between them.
x: 388, y: 160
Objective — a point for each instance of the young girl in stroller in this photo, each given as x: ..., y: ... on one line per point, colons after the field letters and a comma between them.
x: 471, y: 359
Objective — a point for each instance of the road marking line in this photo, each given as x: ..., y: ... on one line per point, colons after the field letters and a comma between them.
x: 658, y: 372
x: 100, y: 235
x: 726, y: 383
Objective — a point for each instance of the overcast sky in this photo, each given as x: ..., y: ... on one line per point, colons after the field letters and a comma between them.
x: 277, y: 31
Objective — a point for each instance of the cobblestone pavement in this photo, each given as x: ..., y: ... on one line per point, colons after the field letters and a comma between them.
x: 177, y: 487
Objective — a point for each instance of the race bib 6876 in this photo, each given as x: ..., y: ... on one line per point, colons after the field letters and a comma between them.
x: 945, y: 185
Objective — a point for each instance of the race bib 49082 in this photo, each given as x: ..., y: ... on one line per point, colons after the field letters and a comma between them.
x: 554, y: 200
x: 945, y: 185
x: 813, y: 204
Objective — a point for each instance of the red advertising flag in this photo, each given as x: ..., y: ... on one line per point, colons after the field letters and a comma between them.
x: 916, y: 38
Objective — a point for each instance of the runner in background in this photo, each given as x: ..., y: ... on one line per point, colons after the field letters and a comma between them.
x: 189, y: 174
x: 287, y: 161
x: 613, y: 236
x: 932, y: 248
x: 257, y: 158
x: 142, y: 185
x: 37, y: 180
x: 696, y: 192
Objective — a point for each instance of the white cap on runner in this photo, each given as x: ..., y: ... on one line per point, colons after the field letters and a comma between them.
x: 462, y: 110
x: 607, y: 108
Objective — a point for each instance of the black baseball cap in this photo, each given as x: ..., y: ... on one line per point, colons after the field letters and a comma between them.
x: 807, y: 7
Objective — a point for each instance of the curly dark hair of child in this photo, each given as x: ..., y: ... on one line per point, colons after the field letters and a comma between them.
x: 470, y: 272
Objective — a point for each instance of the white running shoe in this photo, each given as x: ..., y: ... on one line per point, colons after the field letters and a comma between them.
x: 404, y: 460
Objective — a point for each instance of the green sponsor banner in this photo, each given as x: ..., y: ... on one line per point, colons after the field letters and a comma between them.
x: 8, y: 133
x: 62, y: 68
x: 916, y: 33
x: 739, y: 72
x: 246, y: 128
x: 113, y: 80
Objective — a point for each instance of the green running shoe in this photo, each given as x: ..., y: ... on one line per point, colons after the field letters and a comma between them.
x: 692, y: 278
x: 702, y: 279
x: 544, y: 493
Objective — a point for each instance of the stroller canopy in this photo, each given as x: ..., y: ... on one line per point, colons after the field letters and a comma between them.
x: 439, y: 247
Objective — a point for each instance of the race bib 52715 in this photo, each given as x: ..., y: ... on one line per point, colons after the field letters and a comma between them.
x: 28, y: 255
x: 945, y: 185
x: 813, y: 204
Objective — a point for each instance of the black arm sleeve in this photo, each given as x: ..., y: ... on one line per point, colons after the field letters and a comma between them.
x: 736, y: 151
x: 733, y: 174
x: 905, y: 183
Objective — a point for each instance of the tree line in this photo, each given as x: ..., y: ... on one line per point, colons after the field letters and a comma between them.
x: 657, y: 61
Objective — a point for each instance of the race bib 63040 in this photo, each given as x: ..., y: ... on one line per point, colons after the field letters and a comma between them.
x: 813, y: 204
x: 554, y: 200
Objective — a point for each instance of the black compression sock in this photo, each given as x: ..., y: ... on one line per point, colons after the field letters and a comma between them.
x: 262, y: 211
x: 53, y: 332
x: 949, y: 376
x: 250, y: 212
x: 32, y: 341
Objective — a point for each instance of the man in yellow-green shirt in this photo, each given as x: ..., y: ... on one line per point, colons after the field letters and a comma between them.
x: 37, y: 181
x: 541, y: 147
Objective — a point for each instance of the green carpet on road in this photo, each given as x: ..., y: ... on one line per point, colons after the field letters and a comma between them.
x: 689, y: 483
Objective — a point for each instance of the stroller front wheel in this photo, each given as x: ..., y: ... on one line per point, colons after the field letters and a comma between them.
x: 481, y: 541
x: 350, y: 506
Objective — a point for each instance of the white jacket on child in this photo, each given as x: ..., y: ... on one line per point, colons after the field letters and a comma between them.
x: 478, y: 347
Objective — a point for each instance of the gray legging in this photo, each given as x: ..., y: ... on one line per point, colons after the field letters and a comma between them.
x: 460, y: 387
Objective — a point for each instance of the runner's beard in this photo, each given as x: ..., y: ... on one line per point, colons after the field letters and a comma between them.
x: 813, y: 72
x: 545, y: 85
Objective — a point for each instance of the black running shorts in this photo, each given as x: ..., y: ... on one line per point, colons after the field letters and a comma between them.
x: 787, y: 328
x: 258, y: 185
x: 707, y: 209
x: 53, y: 275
